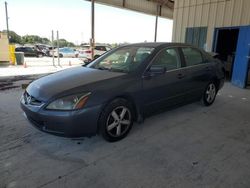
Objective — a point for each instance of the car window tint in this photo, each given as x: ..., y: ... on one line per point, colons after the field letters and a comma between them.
x: 168, y: 58
x: 192, y: 56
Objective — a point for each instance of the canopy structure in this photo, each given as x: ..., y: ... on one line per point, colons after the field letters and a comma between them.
x: 166, y: 7
x: 158, y: 8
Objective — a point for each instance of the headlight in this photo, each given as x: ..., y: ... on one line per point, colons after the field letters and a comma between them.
x: 72, y: 102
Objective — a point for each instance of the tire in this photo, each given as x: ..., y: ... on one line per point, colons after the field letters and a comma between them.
x: 116, y: 120
x: 60, y: 55
x: 209, y: 94
x: 39, y: 55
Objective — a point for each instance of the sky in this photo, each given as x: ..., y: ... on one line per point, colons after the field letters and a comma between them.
x: 72, y: 19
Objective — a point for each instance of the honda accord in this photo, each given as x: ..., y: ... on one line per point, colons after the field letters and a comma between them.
x: 124, y: 85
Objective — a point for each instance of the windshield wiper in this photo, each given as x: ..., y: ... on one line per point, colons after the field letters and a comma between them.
x: 117, y: 70
x: 103, y: 68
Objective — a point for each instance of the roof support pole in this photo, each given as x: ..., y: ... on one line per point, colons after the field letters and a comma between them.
x: 7, y: 21
x: 156, y: 21
x: 58, y: 46
x: 52, y: 43
x: 92, y: 40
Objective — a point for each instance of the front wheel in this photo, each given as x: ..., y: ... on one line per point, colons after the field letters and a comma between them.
x: 116, y: 120
x: 209, y: 94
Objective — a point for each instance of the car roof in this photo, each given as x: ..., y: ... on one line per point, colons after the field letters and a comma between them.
x: 157, y: 44
x: 87, y: 45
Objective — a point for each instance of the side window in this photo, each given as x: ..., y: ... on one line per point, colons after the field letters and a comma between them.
x: 101, y: 48
x: 97, y: 48
x: 107, y: 48
x: 25, y: 49
x: 192, y: 56
x: 29, y: 49
x: 168, y: 58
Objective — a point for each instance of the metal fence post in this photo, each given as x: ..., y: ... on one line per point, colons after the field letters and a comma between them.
x: 53, y: 55
x: 58, y: 56
x: 92, y: 40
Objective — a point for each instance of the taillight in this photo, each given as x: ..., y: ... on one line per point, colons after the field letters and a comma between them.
x: 88, y: 51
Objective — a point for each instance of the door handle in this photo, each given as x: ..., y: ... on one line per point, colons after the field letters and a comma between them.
x: 180, y: 76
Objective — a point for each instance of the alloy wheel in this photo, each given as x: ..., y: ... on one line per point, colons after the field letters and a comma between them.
x: 210, y: 93
x: 119, y: 121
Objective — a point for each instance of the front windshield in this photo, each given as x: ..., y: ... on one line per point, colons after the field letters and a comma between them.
x: 125, y: 59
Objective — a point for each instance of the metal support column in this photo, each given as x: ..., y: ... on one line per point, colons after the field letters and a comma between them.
x: 7, y: 20
x: 156, y: 21
x: 92, y: 40
x: 52, y: 42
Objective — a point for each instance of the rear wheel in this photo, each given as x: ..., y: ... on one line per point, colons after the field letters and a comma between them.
x: 209, y: 94
x: 116, y: 120
x: 40, y: 55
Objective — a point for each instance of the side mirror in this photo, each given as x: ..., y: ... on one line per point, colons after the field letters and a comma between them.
x: 87, y: 61
x: 157, y: 70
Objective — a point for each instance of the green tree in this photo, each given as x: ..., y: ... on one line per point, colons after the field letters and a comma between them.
x: 14, y: 38
x: 63, y: 43
x: 32, y: 39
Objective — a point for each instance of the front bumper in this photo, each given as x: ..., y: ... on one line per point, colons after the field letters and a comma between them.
x: 64, y: 123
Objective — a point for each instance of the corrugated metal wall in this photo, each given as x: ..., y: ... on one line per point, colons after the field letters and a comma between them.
x: 209, y: 13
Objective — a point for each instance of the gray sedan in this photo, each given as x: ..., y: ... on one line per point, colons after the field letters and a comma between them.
x: 124, y: 85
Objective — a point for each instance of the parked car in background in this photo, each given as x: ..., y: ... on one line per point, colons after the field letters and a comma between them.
x: 65, y: 52
x: 126, y: 84
x: 99, y: 50
x: 30, y: 51
x: 44, y: 48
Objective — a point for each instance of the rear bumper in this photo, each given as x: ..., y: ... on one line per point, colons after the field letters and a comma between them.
x: 64, y: 123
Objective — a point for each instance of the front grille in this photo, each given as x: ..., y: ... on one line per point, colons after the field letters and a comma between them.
x: 30, y: 100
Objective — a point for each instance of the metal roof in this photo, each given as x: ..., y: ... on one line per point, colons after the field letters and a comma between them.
x: 144, y: 6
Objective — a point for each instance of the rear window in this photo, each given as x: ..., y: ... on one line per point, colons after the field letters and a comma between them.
x: 192, y: 56
x: 100, y: 48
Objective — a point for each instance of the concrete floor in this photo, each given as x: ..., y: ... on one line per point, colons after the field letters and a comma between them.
x: 192, y: 146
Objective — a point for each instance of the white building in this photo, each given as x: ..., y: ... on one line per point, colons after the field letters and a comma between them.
x: 4, y: 48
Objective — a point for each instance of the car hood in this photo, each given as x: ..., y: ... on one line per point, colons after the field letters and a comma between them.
x: 46, y: 87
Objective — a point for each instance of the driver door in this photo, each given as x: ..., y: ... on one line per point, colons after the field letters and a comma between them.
x: 166, y: 89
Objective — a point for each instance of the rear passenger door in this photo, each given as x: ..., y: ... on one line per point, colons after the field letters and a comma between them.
x: 198, y: 71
